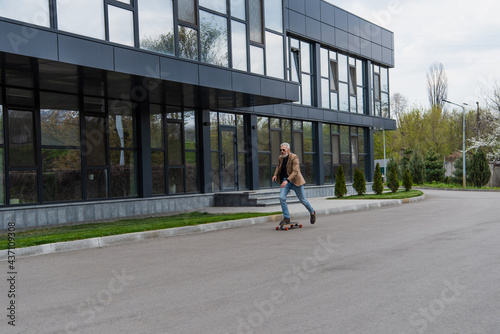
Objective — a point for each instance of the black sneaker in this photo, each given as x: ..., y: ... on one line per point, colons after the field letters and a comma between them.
x: 313, y: 217
x: 285, y: 221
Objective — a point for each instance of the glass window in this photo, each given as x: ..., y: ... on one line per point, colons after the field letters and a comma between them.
x: 30, y: 11
x: 343, y: 97
x: 95, y: 137
x: 255, y: 21
x: 21, y: 138
x: 2, y: 176
x: 344, y: 140
x: 324, y: 62
x: 215, y: 171
x: 174, y: 142
x: 295, y: 65
x: 334, y: 76
x: 124, y: 1
x: 97, y: 183
x: 238, y: 9
x: 384, y: 80
x: 298, y: 145
x: 263, y: 133
x: 359, y: 72
x: 83, y: 17
x: 61, y: 175
x: 306, y: 89
x: 334, y: 101
x: 264, y: 170
x: 308, y: 137
x: 216, y: 5
x: 60, y: 119
x: 156, y: 126
x: 188, y: 43
x: 325, y: 94
x: 158, y: 172
x: 121, y: 127
x: 376, y: 86
x: 189, y: 130
x: 274, y: 55
x: 20, y: 97
x: 274, y: 15
x: 1, y: 124
x: 354, y: 150
x: 360, y: 100
x: 336, y: 149
x: 23, y: 187
x: 175, y: 180
x: 93, y: 104
x: 123, y: 176
x: 239, y: 45
x: 256, y: 60
x: 352, y: 80
x: 385, y: 105
x: 342, y: 67
x: 156, y: 26
x: 305, y: 57
x: 121, y: 25
x: 58, y: 77
x: 187, y: 11
x: 213, y: 39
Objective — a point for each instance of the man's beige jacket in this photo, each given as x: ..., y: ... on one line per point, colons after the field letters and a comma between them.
x: 292, y: 169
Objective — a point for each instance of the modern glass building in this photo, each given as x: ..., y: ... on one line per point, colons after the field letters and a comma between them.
x: 142, y: 99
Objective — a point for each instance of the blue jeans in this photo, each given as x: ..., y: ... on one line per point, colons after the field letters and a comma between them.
x: 300, y: 195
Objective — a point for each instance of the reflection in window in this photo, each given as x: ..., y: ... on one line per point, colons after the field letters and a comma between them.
x: 2, y: 176
x: 175, y: 180
x: 274, y: 55
x: 21, y: 138
x: 95, y: 136
x: 58, y: 77
x: 295, y: 65
x: 83, y: 17
x: 216, y: 5
x: 158, y: 172
x: 97, y: 183
x: 354, y: 150
x: 61, y: 175
x: 23, y: 187
x: 121, y: 26
x: 60, y: 119
x: 239, y: 45
x: 121, y: 127
x: 256, y: 60
x: 29, y: 11
x: 213, y: 39
x: 174, y: 142
x: 255, y: 20
x: 123, y: 176
x: 238, y: 9
x: 188, y: 43
x: 187, y: 11
x: 156, y: 26
x: 274, y: 15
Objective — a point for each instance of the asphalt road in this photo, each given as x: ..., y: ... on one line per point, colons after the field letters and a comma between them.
x: 426, y: 267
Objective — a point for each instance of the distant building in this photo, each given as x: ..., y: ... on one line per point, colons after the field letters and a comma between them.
x: 135, y: 102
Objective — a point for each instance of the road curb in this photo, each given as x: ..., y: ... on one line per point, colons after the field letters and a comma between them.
x: 100, y: 242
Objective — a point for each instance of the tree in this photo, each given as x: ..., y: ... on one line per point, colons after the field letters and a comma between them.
x: 434, y: 170
x: 398, y: 105
x: 458, y: 170
x: 378, y: 186
x: 480, y: 170
x: 417, y: 168
x: 407, y: 180
x: 393, y: 163
x: 359, y: 182
x: 437, y: 85
x: 393, y: 181
x: 340, y: 187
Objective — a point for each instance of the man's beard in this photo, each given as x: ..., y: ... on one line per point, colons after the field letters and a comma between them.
x: 284, y: 155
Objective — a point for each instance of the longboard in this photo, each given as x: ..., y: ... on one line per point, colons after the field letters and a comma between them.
x: 286, y: 226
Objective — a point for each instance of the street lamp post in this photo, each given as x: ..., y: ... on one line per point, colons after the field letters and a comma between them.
x: 463, y: 136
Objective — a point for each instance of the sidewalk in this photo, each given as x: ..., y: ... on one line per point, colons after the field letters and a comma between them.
x: 321, y: 205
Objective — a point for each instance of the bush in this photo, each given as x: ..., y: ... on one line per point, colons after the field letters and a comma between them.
x: 393, y: 163
x: 393, y: 181
x: 340, y: 187
x: 407, y: 180
x: 458, y: 170
x: 378, y: 186
x: 417, y: 168
x: 359, y: 182
x: 480, y: 170
x: 434, y: 170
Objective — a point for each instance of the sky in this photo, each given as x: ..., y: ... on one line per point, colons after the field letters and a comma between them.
x: 462, y: 35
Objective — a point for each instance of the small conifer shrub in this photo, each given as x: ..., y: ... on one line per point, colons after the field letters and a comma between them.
x: 340, y: 187
x: 393, y: 182
x: 359, y: 182
x: 378, y: 186
x: 407, y: 180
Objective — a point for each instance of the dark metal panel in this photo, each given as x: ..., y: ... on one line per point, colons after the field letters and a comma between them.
x: 86, y: 53
x: 292, y: 91
x: 366, y: 48
x: 354, y: 44
x: 365, y: 29
x: 297, y: 5
x: 273, y: 88
x: 387, y: 39
x: 284, y: 110
x: 297, y: 22
x: 356, y: 119
x: 344, y: 118
x: 299, y: 112
x: 246, y: 83
x: 376, y: 36
x: 316, y: 114
x: 353, y: 24
x: 389, y: 124
x: 27, y: 41
x: 179, y: 71
x: 387, y: 56
x: 331, y: 116
x: 327, y: 34
x: 341, y: 39
x: 313, y: 28
x: 313, y: 9
x: 136, y: 62
x: 377, y: 52
x: 341, y: 19
x: 368, y: 121
x: 327, y: 13
x: 378, y: 122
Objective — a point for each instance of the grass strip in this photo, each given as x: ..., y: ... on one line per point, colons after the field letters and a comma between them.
x: 400, y: 194
x: 42, y: 236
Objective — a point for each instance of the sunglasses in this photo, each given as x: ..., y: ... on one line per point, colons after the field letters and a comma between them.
x: 282, y: 150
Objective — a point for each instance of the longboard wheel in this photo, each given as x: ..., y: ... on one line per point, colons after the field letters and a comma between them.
x: 286, y: 228
x: 277, y: 228
x: 300, y: 226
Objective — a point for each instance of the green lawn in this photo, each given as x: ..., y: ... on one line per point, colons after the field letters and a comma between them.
x: 452, y: 186
x: 387, y: 194
x: 92, y: 230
